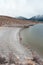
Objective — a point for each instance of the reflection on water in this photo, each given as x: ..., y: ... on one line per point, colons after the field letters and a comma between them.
x: 33, y: 36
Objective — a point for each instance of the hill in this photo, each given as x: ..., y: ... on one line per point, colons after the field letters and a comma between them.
x: 11, y: 21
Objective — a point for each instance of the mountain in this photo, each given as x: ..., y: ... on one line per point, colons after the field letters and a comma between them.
x: 37, y: 18
x: 34, y: 18
x: 21, y: 17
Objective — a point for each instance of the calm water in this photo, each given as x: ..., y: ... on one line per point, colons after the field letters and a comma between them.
x: 33, y: 37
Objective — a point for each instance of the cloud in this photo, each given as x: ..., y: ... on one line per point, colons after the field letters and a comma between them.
x: 26, y: 8
x: 7, y: 7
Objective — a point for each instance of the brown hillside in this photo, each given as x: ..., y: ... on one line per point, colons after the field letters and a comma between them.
x: 13, y: 21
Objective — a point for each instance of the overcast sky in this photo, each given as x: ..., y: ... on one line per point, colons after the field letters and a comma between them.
x: 26, y: 8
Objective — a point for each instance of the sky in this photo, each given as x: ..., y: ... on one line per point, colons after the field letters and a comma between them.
x: 25, y: 8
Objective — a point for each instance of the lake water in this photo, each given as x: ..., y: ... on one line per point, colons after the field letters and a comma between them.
x: 33, y: 37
